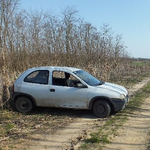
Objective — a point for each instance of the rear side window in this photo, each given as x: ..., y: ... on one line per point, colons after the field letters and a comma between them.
x: 38, y: 77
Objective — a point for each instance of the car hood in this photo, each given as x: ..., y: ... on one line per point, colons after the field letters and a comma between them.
x: 114, y: 88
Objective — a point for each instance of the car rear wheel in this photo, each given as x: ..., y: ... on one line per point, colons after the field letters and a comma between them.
x: 101, y: 109
x: 23, y: 105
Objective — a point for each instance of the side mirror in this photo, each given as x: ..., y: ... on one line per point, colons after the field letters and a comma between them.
x: 80, y: 85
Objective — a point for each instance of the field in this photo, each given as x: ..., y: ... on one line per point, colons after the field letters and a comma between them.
x: 44, y: 39
x: 20, y: 131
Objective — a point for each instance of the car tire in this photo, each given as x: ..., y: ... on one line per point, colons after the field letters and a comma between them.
x: 101, y: 109
x: 24, y: 105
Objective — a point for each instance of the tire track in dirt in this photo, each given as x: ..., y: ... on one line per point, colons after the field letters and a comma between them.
x: 66, y: 139
x: 134, y: 133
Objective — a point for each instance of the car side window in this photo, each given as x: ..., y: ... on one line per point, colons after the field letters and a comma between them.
x: 38, y: 77
x: 61, y: 78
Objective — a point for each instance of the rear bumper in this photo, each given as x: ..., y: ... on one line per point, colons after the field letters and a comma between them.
x: 119, y: 104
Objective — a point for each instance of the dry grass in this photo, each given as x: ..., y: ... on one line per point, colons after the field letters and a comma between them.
x: 15, y: 128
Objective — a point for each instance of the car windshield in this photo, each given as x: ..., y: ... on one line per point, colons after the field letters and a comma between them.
x: 88, y: 78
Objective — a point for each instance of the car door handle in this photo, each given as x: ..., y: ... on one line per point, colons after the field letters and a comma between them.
x: 52, y: 90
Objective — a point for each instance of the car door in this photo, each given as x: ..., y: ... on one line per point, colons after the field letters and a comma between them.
x: 67, y: 96
x: 36, y: 84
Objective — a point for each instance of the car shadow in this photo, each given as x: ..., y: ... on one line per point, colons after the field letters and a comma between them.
x: 64, y: 112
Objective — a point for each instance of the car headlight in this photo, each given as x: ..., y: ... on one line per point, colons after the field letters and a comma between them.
x: 122, y: 96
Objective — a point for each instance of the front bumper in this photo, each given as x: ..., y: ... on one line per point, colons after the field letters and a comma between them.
x: 120, y: 104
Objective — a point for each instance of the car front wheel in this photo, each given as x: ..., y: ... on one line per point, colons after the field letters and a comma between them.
x: 101, y: 109
x: 23, y: 105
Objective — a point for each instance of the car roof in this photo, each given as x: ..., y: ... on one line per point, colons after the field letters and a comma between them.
x: 58, y: 68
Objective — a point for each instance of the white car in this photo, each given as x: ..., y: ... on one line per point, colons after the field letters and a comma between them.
x: 67, y: 87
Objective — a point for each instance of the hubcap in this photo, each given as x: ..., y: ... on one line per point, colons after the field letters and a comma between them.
x: 24, y: 105
x: 100, y: 109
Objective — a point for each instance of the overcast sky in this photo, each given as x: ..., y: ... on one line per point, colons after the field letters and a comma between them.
x: 129, y: 18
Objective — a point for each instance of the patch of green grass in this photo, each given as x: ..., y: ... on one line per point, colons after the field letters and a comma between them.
x: 104, y: 133
x: 95, y: 139
x: 9, y: 126
x: 135, y: 80
x: 141, y: 63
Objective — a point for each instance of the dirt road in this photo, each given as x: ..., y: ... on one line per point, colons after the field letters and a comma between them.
x: 67, y: 138
x: 134, y: 133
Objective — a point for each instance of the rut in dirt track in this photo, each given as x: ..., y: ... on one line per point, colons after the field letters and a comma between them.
x: 134, y: 134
